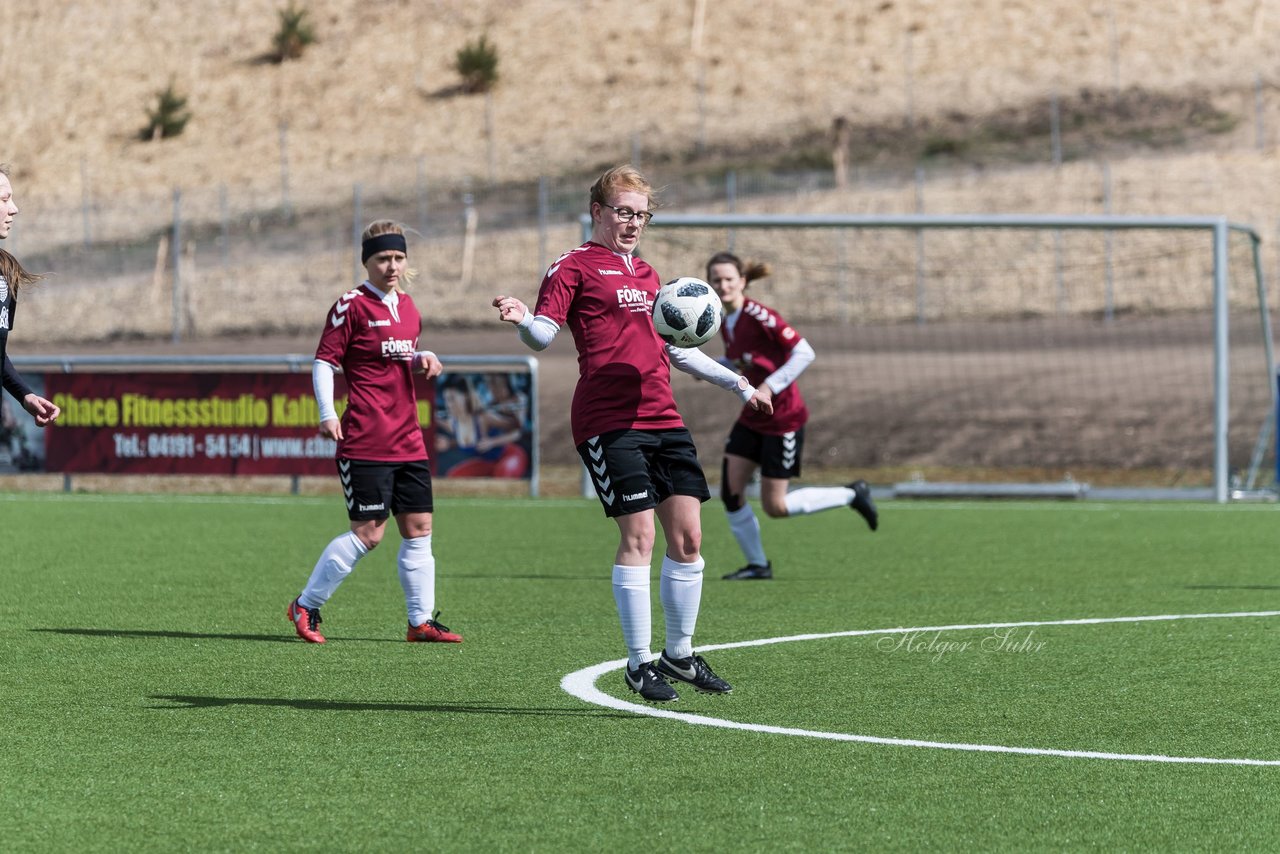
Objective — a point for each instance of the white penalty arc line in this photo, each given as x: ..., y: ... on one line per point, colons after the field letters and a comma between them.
x: 582, y: 684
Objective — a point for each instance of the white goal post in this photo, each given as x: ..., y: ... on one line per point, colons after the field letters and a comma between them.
x: 1010, y: 354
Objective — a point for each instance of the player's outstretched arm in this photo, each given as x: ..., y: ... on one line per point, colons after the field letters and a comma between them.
x: 429, y: 363
x: 698, y: 364
x: 322, y: 382
x: 536, y: 332
x: 762, y: 400
x: 801, y: 357
x: 510, y: 309
x: 44, y: 411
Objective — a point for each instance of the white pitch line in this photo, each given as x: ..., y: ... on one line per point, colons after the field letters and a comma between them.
x: 582, y: 684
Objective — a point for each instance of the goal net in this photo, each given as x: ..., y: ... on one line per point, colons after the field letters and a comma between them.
x: 1009, y: 355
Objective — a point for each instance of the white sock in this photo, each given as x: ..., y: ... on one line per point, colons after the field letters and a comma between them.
x: 335, y: 564
x: 746, y: 530
x: 814, y: 499
x: 417, y: 568
x: 680, y: 587
x: 631, y: 593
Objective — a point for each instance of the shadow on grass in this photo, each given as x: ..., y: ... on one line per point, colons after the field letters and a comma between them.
x: 149, y: 633
x: 510, y: 576
x: 1233, y: 586
x: 185, y: 701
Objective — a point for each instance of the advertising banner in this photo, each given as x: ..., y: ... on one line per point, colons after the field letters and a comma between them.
x: 195, y: 423
x: 476, y: 424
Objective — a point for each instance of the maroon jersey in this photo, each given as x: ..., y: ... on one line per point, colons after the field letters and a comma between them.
x: 373, y: 341
x: 760, y: 343
x: 624, y: 376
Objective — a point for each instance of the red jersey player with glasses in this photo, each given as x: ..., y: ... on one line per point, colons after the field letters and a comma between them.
x: 371, y: 335
x: 626, y: 427
x: 772, y: 354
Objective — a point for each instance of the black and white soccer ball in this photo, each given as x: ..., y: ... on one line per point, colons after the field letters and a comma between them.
x: 687, y: 312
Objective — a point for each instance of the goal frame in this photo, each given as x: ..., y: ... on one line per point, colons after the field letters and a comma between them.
x: 1219, y: 227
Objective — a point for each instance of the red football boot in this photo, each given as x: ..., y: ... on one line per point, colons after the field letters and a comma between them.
x: 305, y: 621
x: 432, y: 632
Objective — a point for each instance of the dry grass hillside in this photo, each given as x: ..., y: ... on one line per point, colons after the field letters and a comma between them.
x: 581, y: 80
x: 1178, y: 97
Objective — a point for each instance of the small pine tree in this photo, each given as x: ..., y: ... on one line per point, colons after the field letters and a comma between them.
x: 294, y: 35
x: 169, y: 116
x: 477, y: 63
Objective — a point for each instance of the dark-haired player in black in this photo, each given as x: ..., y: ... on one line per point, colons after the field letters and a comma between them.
x: 12, y: 278
x: 771, y: 354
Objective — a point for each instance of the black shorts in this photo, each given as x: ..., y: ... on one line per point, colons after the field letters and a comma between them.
x: 376, y: 490
x: 635, y: 470
x: 777, y: 456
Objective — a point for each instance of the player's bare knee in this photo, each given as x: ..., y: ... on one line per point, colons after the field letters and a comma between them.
x: 640, y: 543
x: 774, y: 509
x: 686, y: 546
x: 369, y: 538
x: 733, y: 501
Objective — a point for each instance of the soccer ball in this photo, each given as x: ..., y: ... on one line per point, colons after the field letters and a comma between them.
x: 686, y: 312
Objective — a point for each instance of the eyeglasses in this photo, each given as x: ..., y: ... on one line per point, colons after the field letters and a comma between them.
x: 627, y: 214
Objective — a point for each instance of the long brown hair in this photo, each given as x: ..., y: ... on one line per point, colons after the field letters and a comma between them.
x: 14, y: 273
x: 751, y: 271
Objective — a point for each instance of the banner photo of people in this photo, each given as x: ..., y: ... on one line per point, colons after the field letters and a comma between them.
x: 483, y: 425
x: 21, y: 441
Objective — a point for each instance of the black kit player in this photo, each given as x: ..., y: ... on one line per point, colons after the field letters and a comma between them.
x: 371, y: 335
x: 627, y: 430
x: 772, y: 355
x: 12, y: 278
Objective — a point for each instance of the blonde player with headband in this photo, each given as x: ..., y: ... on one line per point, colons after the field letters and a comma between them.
x: 371, y: 335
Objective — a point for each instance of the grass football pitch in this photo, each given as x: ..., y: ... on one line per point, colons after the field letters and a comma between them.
x: 969, y: 677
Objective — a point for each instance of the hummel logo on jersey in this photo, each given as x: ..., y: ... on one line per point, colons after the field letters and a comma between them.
x: 609, y: 272
x: 556, y: 266
x: 373, y: 323
x: 340, y: 309
x: 761, y: 314
x: 635, y: 496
